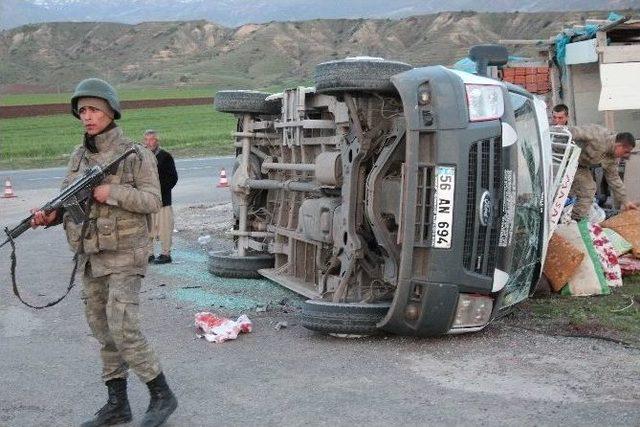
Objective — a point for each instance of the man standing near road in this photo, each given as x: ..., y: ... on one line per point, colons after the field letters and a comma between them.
x: 162, y: 221
x: 112, y: 246
x: 599, y: 147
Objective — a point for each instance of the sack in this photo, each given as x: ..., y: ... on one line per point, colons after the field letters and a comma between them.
x: 629, y: 265
x: 607, y: 255
x: 627, y: 224
x: 620, y: 245
x: 588, y: 278
x: 561, y: 262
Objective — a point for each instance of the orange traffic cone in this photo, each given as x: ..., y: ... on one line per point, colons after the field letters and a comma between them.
x: 8, y: 189
x: 224, y: 182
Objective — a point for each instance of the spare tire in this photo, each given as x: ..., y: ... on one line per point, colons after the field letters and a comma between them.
x: 357, y: 74
x: 227, y: 264
x: 342, y: 318
x: 245, y: 101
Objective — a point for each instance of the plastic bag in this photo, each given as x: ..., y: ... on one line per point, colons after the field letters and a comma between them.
x: 596, y: 214
x: 220, y: 329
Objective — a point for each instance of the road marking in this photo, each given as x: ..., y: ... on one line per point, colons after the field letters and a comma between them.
x: 44, y: 179
x: 195, y: 168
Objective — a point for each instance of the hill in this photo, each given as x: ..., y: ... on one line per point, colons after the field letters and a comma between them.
x: 201, y: 53
x: 233, y: 13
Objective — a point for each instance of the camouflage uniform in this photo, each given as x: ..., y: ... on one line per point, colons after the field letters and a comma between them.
x: 115, y: 253
x: 597, y: 144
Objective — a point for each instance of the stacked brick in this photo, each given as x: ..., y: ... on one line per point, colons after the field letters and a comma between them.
x: 533, y: 79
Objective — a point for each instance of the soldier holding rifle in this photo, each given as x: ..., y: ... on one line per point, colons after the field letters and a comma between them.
x: 112, y: 245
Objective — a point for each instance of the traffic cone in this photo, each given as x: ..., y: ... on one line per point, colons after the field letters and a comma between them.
x: 224, y: 182
x: 8, y: 189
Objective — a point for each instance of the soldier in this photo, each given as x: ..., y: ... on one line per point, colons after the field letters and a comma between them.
x: 599, y: 147
x: 112, y: 247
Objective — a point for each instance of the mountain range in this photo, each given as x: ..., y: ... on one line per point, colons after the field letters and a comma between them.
x: 55, y: 56
x: 232, y: 13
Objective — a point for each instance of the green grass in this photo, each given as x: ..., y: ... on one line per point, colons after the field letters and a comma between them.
x: 615, y: 316
x: 48, y: 140
x: 125, y: 94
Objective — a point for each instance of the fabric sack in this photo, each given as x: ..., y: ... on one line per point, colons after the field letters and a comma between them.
x: 607, y: 255
x: 561, y: 262
x: 627, y: 224
x: 588, y: 278
x: 620, y: 245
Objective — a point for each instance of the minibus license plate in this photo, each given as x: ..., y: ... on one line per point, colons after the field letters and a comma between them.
x: 443, y: 207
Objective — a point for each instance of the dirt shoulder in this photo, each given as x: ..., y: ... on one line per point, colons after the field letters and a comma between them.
x: 614, y: 317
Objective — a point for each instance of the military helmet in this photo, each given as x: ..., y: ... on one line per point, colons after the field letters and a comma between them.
x: 95, y: 88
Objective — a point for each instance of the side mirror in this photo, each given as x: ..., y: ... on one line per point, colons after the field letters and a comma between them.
x: 488, y: 54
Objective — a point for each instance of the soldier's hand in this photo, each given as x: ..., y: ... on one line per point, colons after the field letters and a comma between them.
x: 101, y: 193
x: 629, y: 205
x: 41, y: 218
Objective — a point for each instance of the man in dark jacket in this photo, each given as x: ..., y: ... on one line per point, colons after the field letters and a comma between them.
x: 162, y: 221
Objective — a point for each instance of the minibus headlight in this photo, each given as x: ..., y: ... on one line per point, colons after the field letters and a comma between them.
x: 485, y: 102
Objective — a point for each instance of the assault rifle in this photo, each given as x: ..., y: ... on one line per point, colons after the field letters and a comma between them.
x: 73, y: 197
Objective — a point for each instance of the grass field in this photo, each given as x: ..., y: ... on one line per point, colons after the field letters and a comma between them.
x: 125, y: 95
x: 48, y: 140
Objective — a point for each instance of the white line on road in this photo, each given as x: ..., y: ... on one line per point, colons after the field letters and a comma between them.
x: 44, y: 179
x: 195, y: 168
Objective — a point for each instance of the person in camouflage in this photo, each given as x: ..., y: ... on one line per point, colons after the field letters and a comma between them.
x: 599, y: 147
x: 112, y: 252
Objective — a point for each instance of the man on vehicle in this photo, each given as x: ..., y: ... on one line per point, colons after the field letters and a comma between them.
x: 162, y: 221
x: 599, y: 147
x: 112, y: 247
x: 560, y: 115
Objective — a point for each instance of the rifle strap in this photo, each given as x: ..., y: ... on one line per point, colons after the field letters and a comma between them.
x: 72, y: 280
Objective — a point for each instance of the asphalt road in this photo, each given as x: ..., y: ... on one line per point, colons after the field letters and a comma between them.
x: 204, y: 170
x: 49, y: 368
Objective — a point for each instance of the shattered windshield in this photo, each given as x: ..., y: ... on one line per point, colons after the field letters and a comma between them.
x: 529, y: 211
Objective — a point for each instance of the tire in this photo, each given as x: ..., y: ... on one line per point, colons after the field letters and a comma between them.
x: 357, y: 74
x: 245, y: 101
x: 342, y: 318
x: 226, y: 264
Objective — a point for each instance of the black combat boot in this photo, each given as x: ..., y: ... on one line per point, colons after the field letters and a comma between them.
x: 162, y: 259
x: 162, y: 403
x: 117, y: 409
